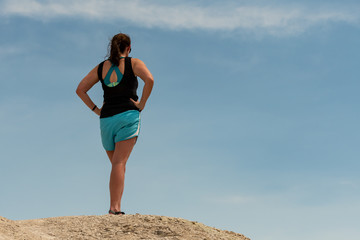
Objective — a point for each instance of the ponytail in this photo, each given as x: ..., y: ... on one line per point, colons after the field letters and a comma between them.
x: 117, y: 45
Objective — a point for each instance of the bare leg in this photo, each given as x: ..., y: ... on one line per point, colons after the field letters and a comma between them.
x: 118, y: 160
x: 110, y: 155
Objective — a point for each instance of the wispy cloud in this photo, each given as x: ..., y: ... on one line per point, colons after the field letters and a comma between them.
x: 180, y: 16
x: 348, y: 183
x: 9, y: 50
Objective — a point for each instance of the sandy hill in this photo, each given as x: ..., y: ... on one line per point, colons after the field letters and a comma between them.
x: 112, y: 227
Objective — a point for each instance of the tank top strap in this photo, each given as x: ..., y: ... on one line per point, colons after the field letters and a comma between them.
x: 99, y: 72
x: 128, y: 66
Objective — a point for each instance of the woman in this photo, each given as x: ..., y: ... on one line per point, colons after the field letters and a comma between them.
x: 120, y: 113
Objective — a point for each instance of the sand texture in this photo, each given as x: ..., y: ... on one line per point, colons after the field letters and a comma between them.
x: 112, y: 227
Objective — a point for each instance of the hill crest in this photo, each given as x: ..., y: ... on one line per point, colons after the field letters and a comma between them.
x: 125, y: 227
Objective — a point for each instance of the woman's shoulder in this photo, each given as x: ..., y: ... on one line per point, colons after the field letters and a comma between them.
x: 136, y: 62
x: 104, y: 63
x: 107, y: 62
x: 134, y: 59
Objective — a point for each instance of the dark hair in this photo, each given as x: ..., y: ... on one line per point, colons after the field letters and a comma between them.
x: 117, y: 45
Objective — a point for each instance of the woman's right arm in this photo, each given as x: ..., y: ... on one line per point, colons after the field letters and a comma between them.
x: 143, y: 72
x: 90, y: 80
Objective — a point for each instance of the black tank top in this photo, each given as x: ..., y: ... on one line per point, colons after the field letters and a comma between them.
x: 117, y: 95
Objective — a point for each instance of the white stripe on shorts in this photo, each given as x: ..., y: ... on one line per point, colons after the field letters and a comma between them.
x: 138, y: 129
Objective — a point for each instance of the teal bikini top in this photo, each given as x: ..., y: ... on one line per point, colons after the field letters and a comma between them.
x: 118, y: 73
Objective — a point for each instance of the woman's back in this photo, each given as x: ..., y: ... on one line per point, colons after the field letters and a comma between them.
x: 120, y: 85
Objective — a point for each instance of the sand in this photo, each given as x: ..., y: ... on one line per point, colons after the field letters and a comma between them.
x: 129, y: 226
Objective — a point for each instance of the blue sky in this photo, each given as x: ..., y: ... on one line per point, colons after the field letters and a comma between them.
x: 252, y: 125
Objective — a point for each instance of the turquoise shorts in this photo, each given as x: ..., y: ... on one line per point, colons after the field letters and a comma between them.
x: 119, y: 127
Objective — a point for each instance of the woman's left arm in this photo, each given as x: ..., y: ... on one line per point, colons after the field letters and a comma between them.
x: 85, y: 85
